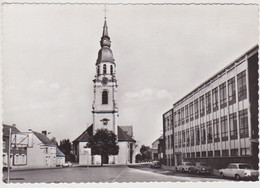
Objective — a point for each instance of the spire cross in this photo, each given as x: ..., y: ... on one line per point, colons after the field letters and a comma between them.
x: 105, y: 10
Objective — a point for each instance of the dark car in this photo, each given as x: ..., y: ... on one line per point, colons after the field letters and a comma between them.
x: 5, y: 166
x: 156, y: 164
x: 202, y: 168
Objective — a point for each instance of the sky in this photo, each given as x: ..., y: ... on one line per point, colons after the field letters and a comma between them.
x: 162, y: 52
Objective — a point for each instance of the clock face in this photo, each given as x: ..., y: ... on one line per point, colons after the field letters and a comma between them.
x: 104, y: 81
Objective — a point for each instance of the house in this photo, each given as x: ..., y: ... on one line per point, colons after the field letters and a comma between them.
x: 18, y: 155
x: 60, y: 157
x: 30, y: 149
x: 42, y: 154
x: 155, y: 145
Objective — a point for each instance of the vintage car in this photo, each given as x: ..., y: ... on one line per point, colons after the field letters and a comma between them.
x: 67, y: 164
x: 239, y: 171
x: 5, y: 166
x: 156, y: 164
x: 201, y: 168
x: 185, y: 167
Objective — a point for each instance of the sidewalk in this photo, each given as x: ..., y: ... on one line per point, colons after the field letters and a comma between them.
x: 215, y: 172
x: 169, y: 168
x: 33, y: 168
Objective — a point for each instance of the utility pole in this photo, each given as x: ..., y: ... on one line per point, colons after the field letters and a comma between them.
x: 9, y: 154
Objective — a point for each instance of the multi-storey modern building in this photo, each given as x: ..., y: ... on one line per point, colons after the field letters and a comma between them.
x: 218, y: 121
x: 168, y: 137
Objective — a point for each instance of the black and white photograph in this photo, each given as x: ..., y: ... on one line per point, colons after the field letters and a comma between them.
x: 109, y: 92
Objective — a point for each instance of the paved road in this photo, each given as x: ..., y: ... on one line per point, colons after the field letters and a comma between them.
x: 97, y: 174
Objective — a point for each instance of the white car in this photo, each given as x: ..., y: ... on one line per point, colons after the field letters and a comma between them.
x: 185, y: 167
x: 67, y: 164
x: 239, y: 171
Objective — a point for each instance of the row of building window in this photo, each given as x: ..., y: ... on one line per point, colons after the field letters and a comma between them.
x: 168, y: 123
x: 217, y: 153
x: 50, y: 150
x: 213, y: 100
x: 214, y: 131
x: 105, y: 69
x: 19, y: 159
x: 169, y: 141
x: 170, y: 159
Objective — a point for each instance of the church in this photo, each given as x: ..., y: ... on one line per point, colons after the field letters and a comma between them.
x: 105, y: 111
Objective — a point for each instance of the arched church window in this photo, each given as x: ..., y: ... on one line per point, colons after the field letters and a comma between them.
x: 111, y: 69
x: 104, y: 97
x: 98, y: 70
x: 104, y: 69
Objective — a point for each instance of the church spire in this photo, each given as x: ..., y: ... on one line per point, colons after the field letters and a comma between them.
x: 105, y: 39
x: 105, y: 53
x: 105, y: 32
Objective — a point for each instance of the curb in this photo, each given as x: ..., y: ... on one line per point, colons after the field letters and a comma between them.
x: 27, y: 169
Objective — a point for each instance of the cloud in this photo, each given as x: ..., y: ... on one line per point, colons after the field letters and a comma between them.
x: 163, y: 94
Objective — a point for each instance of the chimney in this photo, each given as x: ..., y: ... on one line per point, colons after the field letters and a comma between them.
x: 44, y: 132
x: 29, y: 129
x: 14, y: 125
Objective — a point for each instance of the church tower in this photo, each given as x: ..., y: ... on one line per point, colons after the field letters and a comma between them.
x: 105, y: 110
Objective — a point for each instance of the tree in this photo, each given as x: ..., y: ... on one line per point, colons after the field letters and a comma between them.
x: 138, y: 158
x: 104, y: 143
x: 146, y: 153
x: 65, y: 147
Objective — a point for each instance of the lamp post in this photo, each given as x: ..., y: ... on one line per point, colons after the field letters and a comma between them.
x: 9, y: 154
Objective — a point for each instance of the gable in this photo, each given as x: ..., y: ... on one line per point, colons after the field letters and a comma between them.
x: 6, y: 129
x: 44, y: 139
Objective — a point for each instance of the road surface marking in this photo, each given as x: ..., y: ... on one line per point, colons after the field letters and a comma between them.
x: 119, y: 175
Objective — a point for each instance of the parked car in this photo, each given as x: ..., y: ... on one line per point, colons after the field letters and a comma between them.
x: 239, y: 171
x: 185, y: 167
x: 201, y: 168
x: 5, y: 166
x: 155, y: 164
x: 67, y: 164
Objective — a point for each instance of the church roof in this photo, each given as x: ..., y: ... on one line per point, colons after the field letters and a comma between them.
x: 128, y: 129
x: 105, y: 55
x: 85, y: 136
x: 123, y: 136
x: 44, y: 139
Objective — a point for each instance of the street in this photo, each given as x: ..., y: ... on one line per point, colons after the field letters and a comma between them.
x: 101, y: 174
